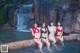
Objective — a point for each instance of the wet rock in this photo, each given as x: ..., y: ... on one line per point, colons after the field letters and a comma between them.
x: 53, y: 14
x: 67, y: 38
x: 77, y: 23
x: 21, y: 44
x: 67, y: 22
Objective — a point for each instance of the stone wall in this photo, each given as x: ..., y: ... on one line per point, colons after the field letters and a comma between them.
x: 65, y: 13
x: 45, y: 11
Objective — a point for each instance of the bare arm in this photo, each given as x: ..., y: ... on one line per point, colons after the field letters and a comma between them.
x: 55, y: 28
x: 32, y: 31
x: 47, y: 31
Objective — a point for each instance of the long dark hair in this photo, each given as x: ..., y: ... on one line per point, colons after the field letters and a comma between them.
x: 50, y: 23
x: 34, y: 24
x: 45, y: 25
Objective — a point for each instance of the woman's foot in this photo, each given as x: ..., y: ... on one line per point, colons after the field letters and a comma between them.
x: 55, y: 46
x: 41, y: 51
x: 49, y: 49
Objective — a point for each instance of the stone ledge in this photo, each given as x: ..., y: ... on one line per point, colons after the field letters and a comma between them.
x: 28, y: 43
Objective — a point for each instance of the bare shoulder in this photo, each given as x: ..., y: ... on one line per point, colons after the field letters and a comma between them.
x: 61, y: 27
x: 55, y: 26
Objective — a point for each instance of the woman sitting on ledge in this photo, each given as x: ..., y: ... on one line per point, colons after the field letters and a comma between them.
x: 52, y: 30
x: 44, y: 35
x: 60, y: 33
x: 36, y: 33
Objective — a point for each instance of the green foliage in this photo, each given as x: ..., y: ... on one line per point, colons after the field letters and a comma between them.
x: 2, y: 20
x: 4, y: 6
x: 3, y: 9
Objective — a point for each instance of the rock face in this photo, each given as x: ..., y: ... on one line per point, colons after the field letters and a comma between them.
x: 67, y: 22
x: 45, y: 11
x: 50, y: 10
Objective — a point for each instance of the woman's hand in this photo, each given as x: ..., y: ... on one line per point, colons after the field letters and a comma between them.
x: 48, y: 26
x: 32, y: 31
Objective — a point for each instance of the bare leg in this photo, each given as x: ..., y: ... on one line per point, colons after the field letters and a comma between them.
x: 40, y: 46
x: 55, y: 45
x: 62, y: 43
x: 48, y: 46
x: 52, y: 38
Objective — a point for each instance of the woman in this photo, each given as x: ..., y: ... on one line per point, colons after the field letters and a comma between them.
x: 36, y: 33
x: 60, y: 33
x: 44, y: 33
x: 52, y: 30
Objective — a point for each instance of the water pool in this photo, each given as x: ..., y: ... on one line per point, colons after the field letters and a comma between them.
x: 70, y: 47
x: 14, y: 35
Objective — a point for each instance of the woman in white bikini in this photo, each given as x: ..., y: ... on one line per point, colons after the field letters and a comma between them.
x: 52, y: 30
x: 44, y: 35
x: 36, y: 33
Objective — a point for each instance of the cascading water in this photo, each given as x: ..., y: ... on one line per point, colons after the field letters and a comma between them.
x: 24, y: 18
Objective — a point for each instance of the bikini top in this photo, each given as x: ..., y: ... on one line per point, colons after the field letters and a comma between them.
x: 36, y: 30
x: 59, y: 30
x: 44, y: 30
x: 52, y: 29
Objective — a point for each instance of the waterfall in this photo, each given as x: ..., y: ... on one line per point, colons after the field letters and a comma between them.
x: 24, y: 18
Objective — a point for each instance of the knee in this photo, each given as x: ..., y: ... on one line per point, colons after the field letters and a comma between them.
x: 41, y: 44
x: 48, y: 44
x: 61, y: 41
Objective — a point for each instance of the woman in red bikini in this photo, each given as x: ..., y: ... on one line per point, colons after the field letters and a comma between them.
x: 36, y: 33
x: 60, y: 33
